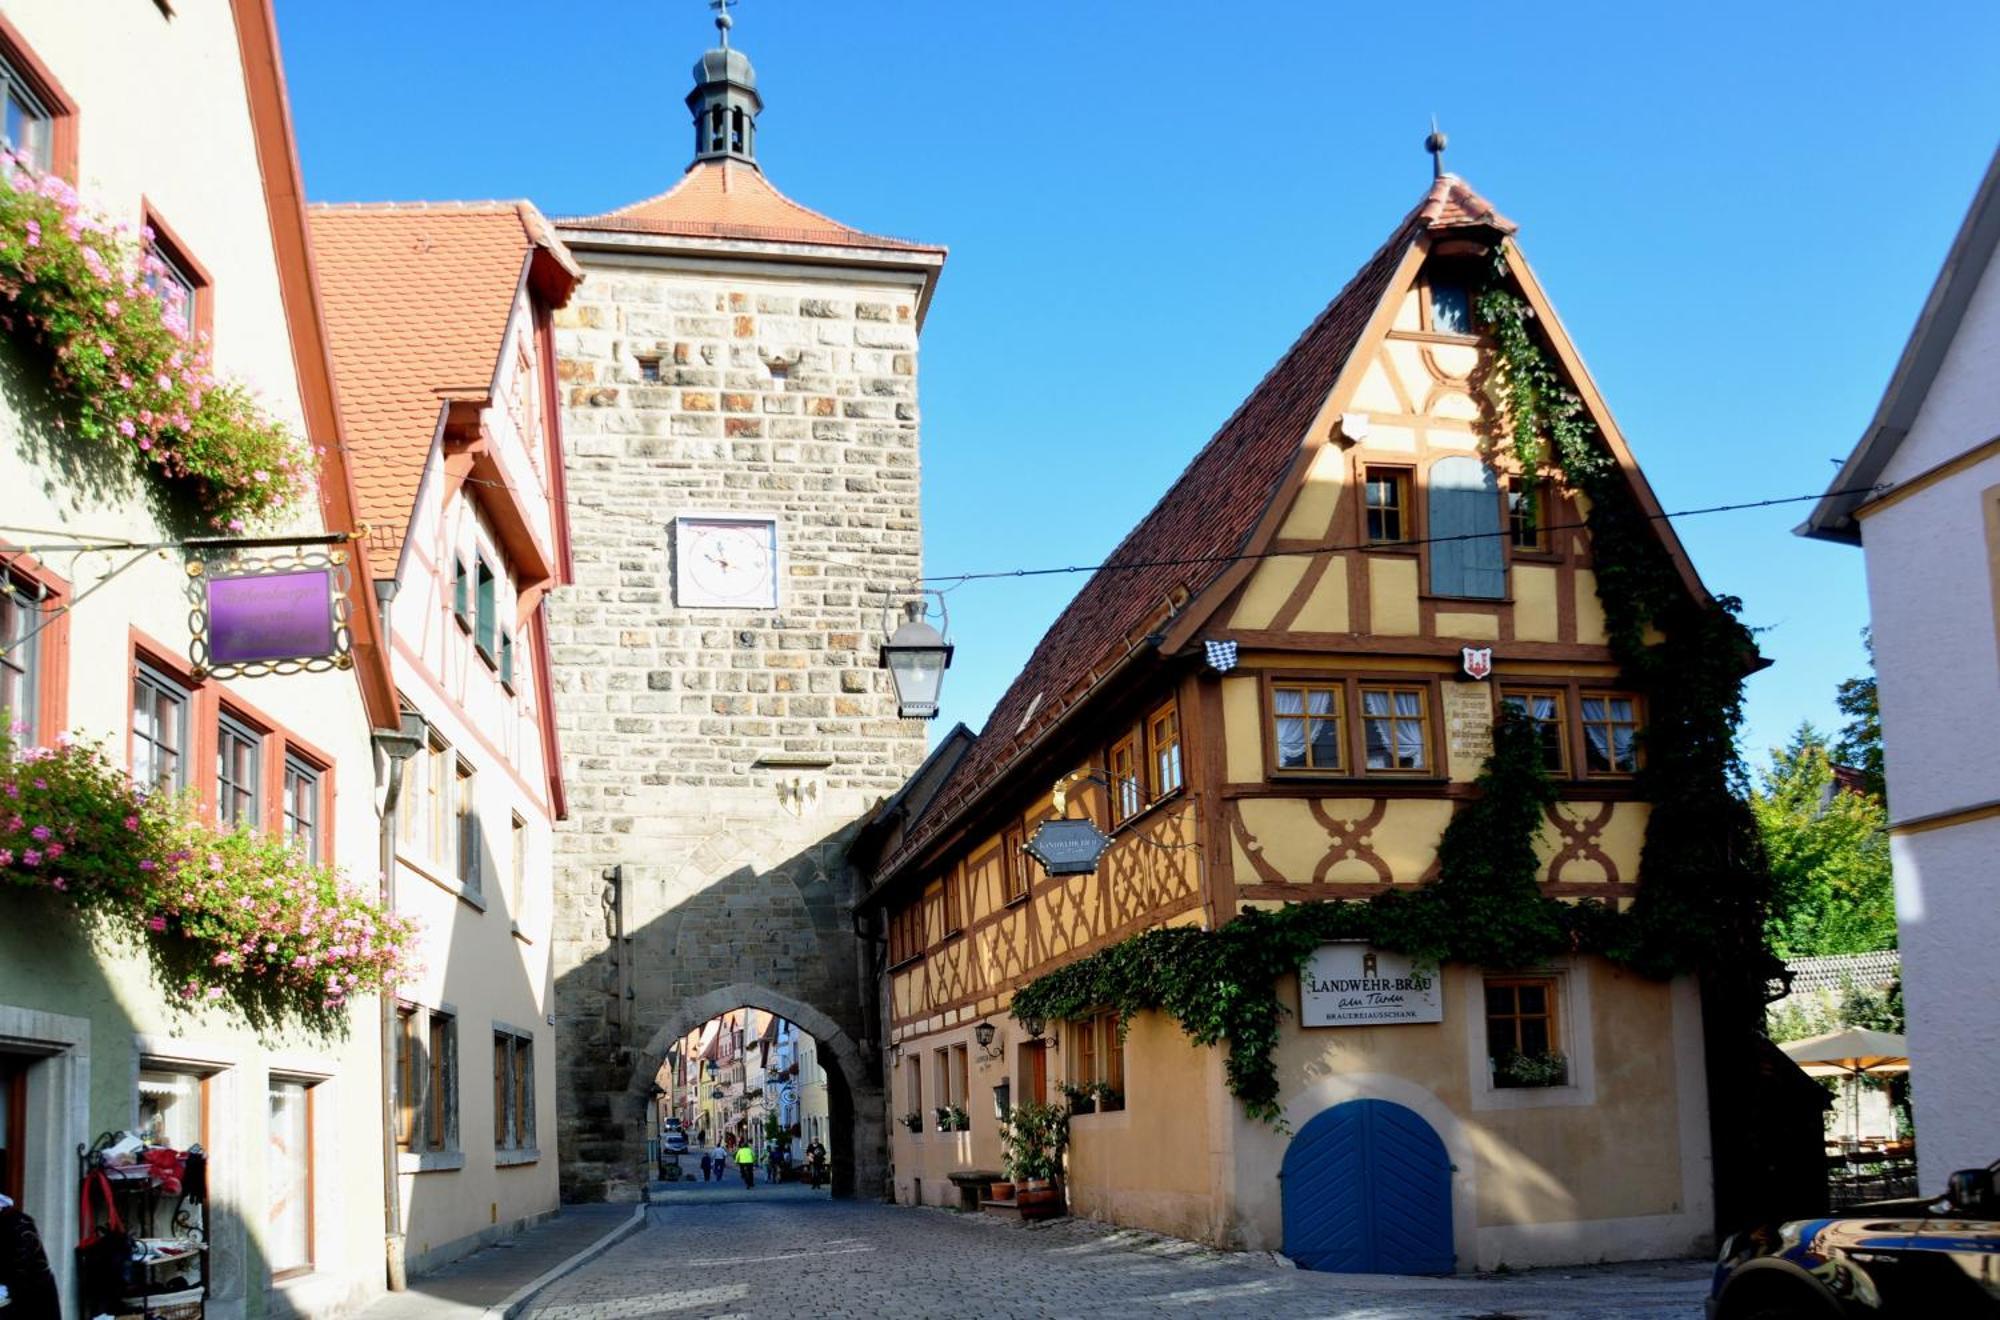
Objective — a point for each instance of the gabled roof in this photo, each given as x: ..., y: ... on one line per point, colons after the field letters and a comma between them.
x: 417, y: 297
x: 1840, y: 971
x: 731, y: 199
x: 1833, y: 518
x: 1209, y: 512
x: 1180, y: 553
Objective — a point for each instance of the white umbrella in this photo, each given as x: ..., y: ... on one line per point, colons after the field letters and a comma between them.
x: 1852, y: 1052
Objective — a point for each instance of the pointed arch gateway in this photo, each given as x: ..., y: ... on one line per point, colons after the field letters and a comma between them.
x: 838, y: 1052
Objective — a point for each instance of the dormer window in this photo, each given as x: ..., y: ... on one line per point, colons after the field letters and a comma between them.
x: 1451, y: 309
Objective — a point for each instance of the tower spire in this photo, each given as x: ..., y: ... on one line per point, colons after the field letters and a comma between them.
x: 724, y: 101
x: 1434, y: 144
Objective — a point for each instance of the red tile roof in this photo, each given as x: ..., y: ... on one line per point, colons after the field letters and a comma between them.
x: 417, y: 298
x: 729, y: 199
x: 1209, y: 511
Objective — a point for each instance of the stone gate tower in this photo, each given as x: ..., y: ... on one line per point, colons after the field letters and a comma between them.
x: 739, y: 395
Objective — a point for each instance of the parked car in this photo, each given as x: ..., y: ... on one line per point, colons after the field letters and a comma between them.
x: 1892, y: 1259
x: 673, y: 1137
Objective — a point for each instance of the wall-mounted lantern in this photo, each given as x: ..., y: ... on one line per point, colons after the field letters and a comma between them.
x: 916, y: 656
x: 1033, y: 1026
x: 982, y: 1035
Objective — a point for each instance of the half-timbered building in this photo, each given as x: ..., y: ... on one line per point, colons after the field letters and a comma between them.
x: 1279, y: 689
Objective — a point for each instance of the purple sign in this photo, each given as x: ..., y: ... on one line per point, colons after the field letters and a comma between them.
x: 270, y: 616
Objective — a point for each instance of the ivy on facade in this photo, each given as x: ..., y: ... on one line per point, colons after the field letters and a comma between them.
x: 238, y: 919
x: 125, y: 370
x: 1706, y: 885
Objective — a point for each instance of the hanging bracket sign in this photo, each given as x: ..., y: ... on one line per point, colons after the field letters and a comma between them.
x: 1352, y: 985
x: 1068, y: 847
x: 265, y: 617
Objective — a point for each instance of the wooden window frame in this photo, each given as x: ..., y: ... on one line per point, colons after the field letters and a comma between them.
x: 486, y: 583
x: 169, y: 680
x: 1017, y: 881
x: 1125, y: 788
x: 1353, y: 734
x: 59, y: 106
x: 1551, y: 987
x: 232, y: 724
x: 468, y: 862
x: 1547, y: 500
x: 408, y: 1076
x: 961, y: 1081
x: 1426, y: 720
x: 513, y: 1090
x: 441, y: 1079
x: 309, y: 1085
x: 1100, y: 1057
x: 170, y: 248
x: 1404, y: 475
x: 1583, y: 733
x: 1427, y: 301
x: 1167, y: 713
x: 954, y: 900
x: 1338, y: 714
x: 43, y: 600
x: 1563, y: 722
x: 297, y: 764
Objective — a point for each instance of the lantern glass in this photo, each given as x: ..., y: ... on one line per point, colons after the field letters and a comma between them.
x: 916, y: 657
x: 983, y: 1033
x: 1033, y: 1026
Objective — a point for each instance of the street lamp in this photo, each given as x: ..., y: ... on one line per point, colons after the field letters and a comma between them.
x: 1033, y: 1026
x: 983, y: 1036
x: 916, y: 656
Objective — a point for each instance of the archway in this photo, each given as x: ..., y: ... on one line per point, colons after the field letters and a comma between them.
x: 856, y: 1155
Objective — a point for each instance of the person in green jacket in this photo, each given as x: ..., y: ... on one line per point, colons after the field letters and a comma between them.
x: 746, y: 1164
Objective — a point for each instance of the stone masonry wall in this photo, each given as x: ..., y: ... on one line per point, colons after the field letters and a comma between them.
x: 688, y: 733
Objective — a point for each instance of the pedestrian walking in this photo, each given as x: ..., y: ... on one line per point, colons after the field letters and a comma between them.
x: 746, y: 1164
x: 707, y: 1163
x: 720, y: 1159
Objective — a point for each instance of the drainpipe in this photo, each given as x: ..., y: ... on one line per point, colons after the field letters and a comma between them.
x: 396, y: 747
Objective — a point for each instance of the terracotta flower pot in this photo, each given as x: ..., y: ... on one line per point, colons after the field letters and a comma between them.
x: 1039, y: 1198
x: 1001, y: 1191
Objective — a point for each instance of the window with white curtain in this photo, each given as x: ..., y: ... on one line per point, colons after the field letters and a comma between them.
x: 288, y: 1177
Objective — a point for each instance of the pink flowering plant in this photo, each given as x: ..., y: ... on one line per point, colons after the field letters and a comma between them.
x: 242, y: 918
x: 127, y: 370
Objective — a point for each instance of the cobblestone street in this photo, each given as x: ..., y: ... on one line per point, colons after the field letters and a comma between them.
x: 717, y: 1251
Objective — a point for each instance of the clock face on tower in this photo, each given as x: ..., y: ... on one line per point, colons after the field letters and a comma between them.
x: 728, y: 562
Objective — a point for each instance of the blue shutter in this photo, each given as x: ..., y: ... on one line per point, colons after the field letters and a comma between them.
x: 1465, y: 502
x: 487, y: 624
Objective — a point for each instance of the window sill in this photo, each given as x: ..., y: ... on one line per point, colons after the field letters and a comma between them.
x: 1016, y: 900
x: 456, y: 888
x: 1465, y: 600
x: 899, y: 966
x: 1139, y: 817
x: 429, y: 1161
x: 464, y: 622
x: 1341, y: 777
x: 1439, y: 337
x: 514, y: 1159
x: 1539, y: 556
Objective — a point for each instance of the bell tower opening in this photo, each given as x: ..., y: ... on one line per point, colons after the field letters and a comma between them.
x: 724, y: 102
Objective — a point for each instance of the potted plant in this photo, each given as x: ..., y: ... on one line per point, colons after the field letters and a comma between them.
x: 953, y: 1118
x: 1525, y: 1070
x: 1001, y: 1191
x: 1034, y: 1137
x: 913, y: 1120
x: 1082, y: 1096
x: 1109, y: 1098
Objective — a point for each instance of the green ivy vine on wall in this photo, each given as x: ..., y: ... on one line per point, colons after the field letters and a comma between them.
x: 1705, y: 883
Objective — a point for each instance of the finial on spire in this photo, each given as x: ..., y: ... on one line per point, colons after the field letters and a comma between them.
x: 723, y: 22
x: 1434, y: 144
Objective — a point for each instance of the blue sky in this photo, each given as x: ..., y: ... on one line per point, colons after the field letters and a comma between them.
x: 1737, y: 213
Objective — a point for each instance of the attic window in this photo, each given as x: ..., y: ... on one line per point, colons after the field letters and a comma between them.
x: 1451, y: 309
x: 649, y: 368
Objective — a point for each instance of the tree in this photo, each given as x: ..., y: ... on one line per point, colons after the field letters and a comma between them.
x: 1860, y: 743
x: 1829, y: 856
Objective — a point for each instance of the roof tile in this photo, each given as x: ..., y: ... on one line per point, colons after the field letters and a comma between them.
x: 729, y: 199
x: 417, y: 298
x: 1207, y: 515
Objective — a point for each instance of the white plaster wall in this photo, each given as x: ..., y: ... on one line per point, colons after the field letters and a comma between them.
x: 486, y: 954
x: 1948, y: 924
x: 197, y: 166
x: 1962, y: 408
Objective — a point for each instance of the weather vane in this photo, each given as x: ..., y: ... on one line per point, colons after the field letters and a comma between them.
x: 722, y: 20
x: 1433, y: 144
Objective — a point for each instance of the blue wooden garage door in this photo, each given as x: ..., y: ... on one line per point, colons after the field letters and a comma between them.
x: 1367, y: 1190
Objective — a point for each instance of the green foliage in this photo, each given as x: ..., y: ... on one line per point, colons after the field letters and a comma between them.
x: 1706, y: 884
x: 1033, y: 1138
x: 1829, y: 853
x: 1860, y: 743
x: 1524, y: 1070
x: 129, y: 373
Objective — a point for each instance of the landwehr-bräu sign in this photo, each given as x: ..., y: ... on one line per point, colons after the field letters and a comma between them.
x: 1352, y: 985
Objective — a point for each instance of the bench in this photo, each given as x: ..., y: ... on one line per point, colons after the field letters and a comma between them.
x: 972, y: 1185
